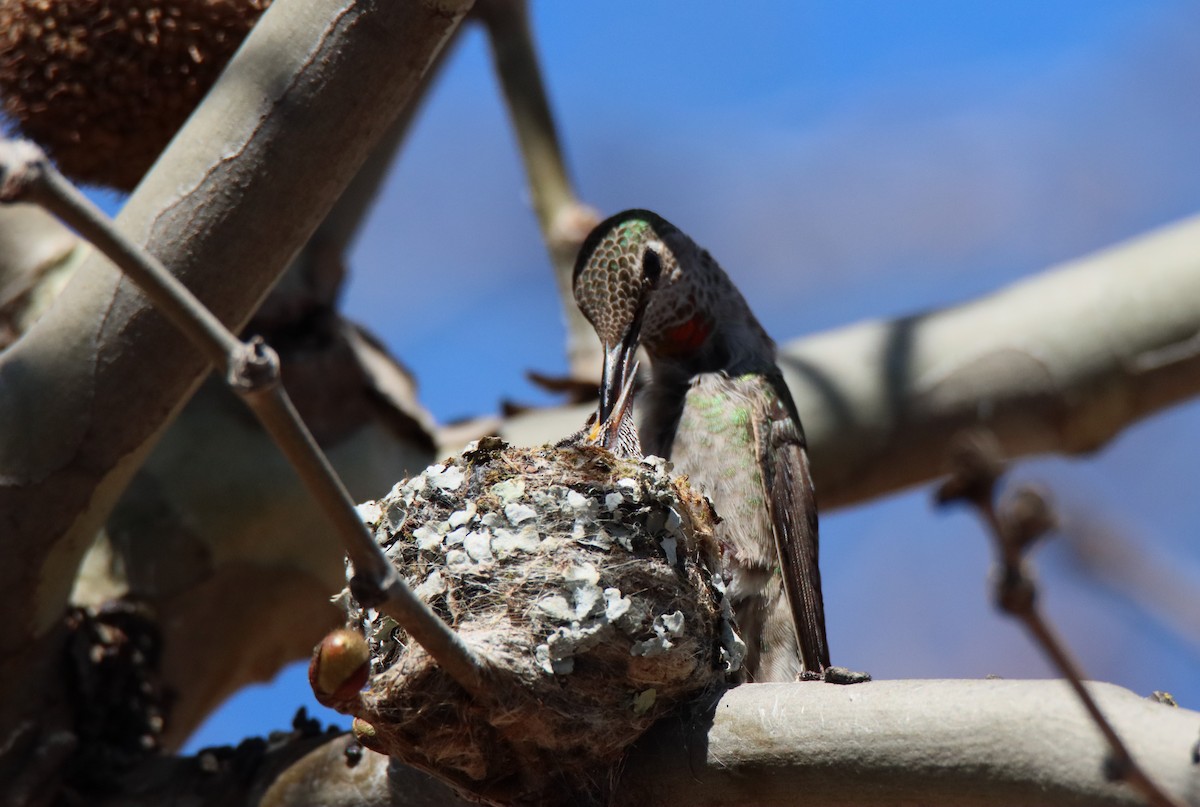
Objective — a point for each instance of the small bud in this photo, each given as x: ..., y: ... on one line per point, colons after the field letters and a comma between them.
x: 1027, y: 516
x: 339, y: 669
x: 976, y: 462
x: 1015, y: 592
x: 365, y: 733
x: 1165, y: 698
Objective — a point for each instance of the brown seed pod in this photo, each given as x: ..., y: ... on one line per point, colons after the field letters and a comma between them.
x: 339, y: 668
x: 588, y: 584
x: 103, y: 85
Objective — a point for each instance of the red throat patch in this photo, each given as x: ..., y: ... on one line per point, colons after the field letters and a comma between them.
x: 685, y: 338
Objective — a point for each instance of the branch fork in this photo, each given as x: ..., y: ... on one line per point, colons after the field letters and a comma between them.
x: 976, y: 467
x: 252, y: 371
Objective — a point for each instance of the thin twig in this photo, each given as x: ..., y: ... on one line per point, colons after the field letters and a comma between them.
x: 977, y: 469
x: 252, y: 370
x: 563, y: 219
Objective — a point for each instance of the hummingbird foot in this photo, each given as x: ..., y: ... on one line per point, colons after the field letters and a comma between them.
x: 844, y: 675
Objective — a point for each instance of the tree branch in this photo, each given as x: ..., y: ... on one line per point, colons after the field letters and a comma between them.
x: 262, y: 560
x: 563, y: 219
x: 252, y: 370
x: 259, y: 164
x: 883, y: 743
x: 1014, y: 526
x: 1108, y: 551
x: 33, y: 247
x: 1060, y: 362
x: 86, y: 391
x: 906, y: 742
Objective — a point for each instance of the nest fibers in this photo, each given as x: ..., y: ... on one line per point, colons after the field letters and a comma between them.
x: 590, y: 584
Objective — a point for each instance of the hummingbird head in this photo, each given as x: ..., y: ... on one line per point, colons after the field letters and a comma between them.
x: 618, y: 268
x: 639, y: 278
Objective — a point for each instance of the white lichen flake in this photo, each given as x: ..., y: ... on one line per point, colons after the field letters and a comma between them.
x: 448, y: 480
x: 414, y: 486
x: 733, y: 649
x: 582, y: 575
x: 369, y: 512
x: 428, y: 536
x: 507, y: 542
x: 510, y: 490
x: 666, y: 626
x: 458, y: 561
x: 587, y: 599
x: 431, y: 586
x: 668, y: 546
x: 672, y: 622
x: 553, y: 666
x: 519, y: 513
x: 674, y: 521
x: 557, y: 608
x: 658, y: 465
x: 478, y: 546
x: 649, y: 648
x: 460, y: 518
x: 615, y: 606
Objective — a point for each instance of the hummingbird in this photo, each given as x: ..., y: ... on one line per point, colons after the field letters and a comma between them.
x: 718, y: 408
x: 615, y: 430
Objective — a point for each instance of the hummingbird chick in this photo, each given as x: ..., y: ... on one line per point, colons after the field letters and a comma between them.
x: 717, y: 406
x: 617, y: 432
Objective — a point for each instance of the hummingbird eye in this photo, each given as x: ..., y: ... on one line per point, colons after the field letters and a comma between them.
x: 651, y: 265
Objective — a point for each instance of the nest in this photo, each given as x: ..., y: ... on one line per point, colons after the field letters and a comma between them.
x: 589, y: 583
x: 103, y: 85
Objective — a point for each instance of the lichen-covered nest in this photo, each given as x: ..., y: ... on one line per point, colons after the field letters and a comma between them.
x: 588, y: 581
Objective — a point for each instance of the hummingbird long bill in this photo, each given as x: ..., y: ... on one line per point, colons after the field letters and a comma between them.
x: 615, y: 431
x: 612, y: 425
x: 717, y: 406
x: 633, y: 295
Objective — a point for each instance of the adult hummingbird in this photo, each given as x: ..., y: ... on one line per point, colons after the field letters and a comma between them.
x: 717, y: 406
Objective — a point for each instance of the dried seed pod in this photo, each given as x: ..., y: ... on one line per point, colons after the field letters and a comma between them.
x: 103, y: 85
x: 339, y: 668
x: 587, y: 581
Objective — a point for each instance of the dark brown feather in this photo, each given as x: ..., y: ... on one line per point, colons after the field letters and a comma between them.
x: 792, y: 503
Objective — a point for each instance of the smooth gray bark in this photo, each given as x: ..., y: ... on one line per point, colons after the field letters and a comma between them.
x: 87, y: 390
x: 229, y: 203
x: 936, y: 743
x: 894, y: 743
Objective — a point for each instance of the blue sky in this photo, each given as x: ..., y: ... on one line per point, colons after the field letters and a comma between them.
x: 843, y: 160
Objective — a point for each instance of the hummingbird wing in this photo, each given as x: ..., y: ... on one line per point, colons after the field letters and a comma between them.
x: 791, y: 500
